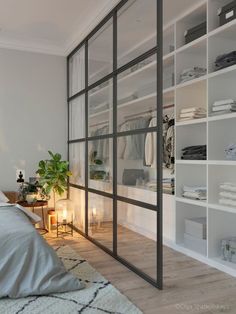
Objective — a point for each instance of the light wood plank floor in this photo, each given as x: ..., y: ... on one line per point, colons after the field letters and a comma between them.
x: 189, y: 286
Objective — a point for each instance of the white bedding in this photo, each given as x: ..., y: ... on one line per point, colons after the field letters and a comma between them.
x: 28, y: 265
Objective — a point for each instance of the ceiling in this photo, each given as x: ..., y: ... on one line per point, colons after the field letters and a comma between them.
x: 56, y: 26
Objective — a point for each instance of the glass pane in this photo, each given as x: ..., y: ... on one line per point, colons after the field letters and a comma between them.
x: 100, y: 49
x: 100, y: 165
x: 136, y: 167
x: 136, y: 29
x: 136, y: 240
x: 137, y: 95
x: 100, y: 217
x: 77, y: 118
x: 77, y: 72
x: 77, y: 163
x: 78, y: 198
x: 100, y: 101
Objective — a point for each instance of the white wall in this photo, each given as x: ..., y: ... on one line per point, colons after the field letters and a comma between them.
x: 33, y: 112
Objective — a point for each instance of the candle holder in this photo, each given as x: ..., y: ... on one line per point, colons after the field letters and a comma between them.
x: 64, y: 214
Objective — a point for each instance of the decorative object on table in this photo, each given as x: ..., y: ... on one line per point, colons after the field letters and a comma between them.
x: 64, y: 216
x: 20, y: 178
x: 228, y: 249
x: 54, y: 175
x: 31, y: 193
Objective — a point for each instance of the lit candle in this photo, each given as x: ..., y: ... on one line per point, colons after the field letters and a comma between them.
x: 64, y: 215
x: 94, y: 211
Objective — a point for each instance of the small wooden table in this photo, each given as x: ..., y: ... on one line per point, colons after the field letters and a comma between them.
x: 34, y: 205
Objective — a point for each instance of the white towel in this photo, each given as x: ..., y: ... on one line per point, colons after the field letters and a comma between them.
x: 228, y: 202
x: 224, y: 107
x: 223, y: 102
x: 228, y: 195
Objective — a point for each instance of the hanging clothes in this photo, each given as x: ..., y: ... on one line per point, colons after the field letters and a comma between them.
x: 150, y: 145
x: 132, y: 147
x: 101, y: 146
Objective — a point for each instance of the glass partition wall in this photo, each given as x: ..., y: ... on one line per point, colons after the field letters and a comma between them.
x: 115, y: 136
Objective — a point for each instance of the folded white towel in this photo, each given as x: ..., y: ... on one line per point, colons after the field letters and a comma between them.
x: 229, y: 195
x: 195, y: 195
x: 224, y: 102
x: 187, y: 188
x: 224, y: 107
x: 193, y: 109
x: 227, y: 186
x: 228, y: 202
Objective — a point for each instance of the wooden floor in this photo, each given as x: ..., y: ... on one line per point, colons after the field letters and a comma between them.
x: 189, y: 286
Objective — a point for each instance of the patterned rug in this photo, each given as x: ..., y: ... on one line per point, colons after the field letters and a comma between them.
x: 99, y: 296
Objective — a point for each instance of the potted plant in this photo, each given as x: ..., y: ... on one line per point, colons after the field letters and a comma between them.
x: 54, y: 175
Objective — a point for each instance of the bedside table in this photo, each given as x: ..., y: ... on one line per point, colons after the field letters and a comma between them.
x: 39, y: 204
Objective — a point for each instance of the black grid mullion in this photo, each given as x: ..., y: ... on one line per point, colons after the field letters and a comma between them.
x: 115, y: 133
x: 86, y: 136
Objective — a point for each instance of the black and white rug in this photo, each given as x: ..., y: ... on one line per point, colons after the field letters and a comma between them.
x: 99, y: 296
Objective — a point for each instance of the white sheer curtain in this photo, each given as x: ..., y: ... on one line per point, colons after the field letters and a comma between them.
x: 77, y: 72
x: 77, y: 163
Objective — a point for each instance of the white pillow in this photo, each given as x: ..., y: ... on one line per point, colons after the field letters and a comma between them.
x: 3, y: 197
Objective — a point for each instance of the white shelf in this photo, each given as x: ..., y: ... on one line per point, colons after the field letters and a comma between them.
x: 221, y: 72
x: 222, y: 162
x: 168, y: 56
x: 189, y: 122
x: 222, y: 116
x: 191, y: 82
x: 222, y: 208
x: 221, y: 29
x: 183, y: 249
x: 191, y: 202
x: 139, y: 73
x: 190, y: 162
x: 193, y: 44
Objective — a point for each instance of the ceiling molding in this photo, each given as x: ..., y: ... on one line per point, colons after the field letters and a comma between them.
x: 31, y: 46
x: 80, y: 35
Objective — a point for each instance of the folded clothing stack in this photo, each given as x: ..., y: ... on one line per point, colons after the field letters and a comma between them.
x: 192, y: 73
x: 224, y: 106
x: 225, y: 60
x: 168, y: 185
x: 195, y: 192
x: 230, y: 152
x: 197, y: 152
x: 192, y: 113
x: 228, y: 194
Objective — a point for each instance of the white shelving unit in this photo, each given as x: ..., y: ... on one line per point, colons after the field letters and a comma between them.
x: 216, y: 131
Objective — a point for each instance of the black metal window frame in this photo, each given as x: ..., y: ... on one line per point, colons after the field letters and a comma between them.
x: 157, y: 50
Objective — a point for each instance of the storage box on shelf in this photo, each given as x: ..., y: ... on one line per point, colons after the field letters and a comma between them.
x: 220, y: 12
x: 194, y: 18
x: 186, y: 236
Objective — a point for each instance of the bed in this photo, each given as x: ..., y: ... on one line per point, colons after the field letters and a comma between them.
x: 28, y: 265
